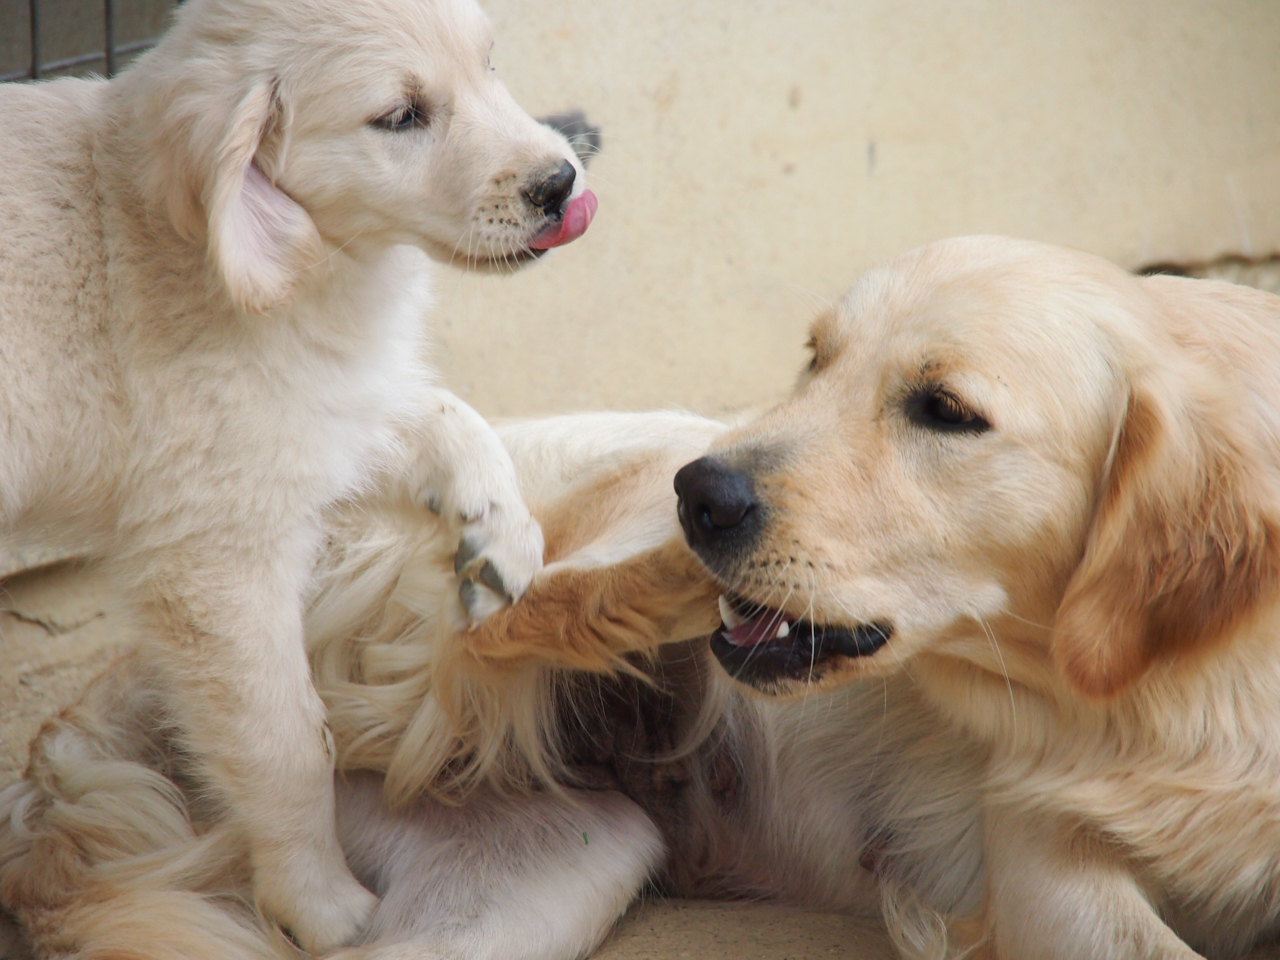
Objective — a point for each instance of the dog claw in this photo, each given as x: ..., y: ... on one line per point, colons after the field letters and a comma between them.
x: 480, y: 601
x: 467, y: 593
x: 490, y: 577
x: 467, y: 551
x: 483, y: 592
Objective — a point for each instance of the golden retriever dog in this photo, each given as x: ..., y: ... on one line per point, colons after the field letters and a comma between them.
x: 501, y: 804
x: 212, y: 287
x: 1046, y: 493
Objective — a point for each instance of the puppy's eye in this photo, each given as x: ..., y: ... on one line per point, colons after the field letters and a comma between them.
x: 935, y: 409
x: 406, y: 116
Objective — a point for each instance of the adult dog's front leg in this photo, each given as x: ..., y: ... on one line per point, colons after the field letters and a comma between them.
x: 1054, y: 894
x: 240, y: 688
x: 586, y: 618
x: 461, y: 471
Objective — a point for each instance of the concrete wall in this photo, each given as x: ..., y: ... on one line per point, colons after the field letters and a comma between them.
x: 759, y: 153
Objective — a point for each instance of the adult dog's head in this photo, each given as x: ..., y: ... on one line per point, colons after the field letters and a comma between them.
x: 279, y: 131
x: 1002, y: 440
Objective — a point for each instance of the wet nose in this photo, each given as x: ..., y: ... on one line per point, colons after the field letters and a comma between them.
x: 716, y: 502
x: 550, y: 193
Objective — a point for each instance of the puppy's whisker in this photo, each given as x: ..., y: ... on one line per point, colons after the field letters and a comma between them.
x: 334, y: 252
x: 815, y: 299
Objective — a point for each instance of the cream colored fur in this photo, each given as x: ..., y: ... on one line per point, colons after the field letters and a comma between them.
x: 114, y: 845
x: 212, y: 288
x: 848, y: 801
x: 1078, y: 554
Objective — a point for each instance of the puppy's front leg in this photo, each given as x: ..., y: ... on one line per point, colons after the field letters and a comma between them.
x: 460, y: 470
x: 1057, y: 894
x: 228, y: 638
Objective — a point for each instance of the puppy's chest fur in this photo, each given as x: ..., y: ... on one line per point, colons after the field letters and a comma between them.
x: 295, y: 405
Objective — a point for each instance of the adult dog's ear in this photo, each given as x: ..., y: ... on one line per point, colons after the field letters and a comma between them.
x: 259, y: 238
x: 1185, y: 543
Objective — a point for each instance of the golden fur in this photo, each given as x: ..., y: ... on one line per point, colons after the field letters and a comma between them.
x: 1066, y: 747
x: 1057, y: 487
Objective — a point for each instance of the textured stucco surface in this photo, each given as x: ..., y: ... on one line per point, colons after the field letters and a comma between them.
x: 759, y: 154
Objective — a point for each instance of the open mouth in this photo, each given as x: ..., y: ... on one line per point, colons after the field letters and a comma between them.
x: 760, y: 645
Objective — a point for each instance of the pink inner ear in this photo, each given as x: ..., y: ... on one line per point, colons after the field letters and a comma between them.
x: 266, y: 238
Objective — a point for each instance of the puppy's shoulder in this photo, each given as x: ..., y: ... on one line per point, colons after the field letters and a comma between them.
x: 43, y: 124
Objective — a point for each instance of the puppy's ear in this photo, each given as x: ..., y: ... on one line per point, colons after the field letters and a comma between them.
x: 259, y: 238
x: 1185, y: 543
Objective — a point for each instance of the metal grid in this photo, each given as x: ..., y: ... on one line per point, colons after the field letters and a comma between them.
x: 111, y: 52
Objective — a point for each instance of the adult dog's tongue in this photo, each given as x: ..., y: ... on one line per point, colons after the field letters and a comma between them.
x: 761, y: 628
x: 573, y: 224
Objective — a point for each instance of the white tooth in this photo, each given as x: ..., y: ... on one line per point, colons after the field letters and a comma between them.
x: 784, y: 628
x: 727, y: 613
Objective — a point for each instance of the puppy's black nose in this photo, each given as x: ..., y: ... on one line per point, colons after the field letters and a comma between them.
x: 716, y: 502
x: 550, y: 193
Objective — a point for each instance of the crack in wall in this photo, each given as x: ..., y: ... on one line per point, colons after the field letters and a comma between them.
x: 50, y: 625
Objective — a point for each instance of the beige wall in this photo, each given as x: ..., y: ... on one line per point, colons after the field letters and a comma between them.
x: 759, y: 153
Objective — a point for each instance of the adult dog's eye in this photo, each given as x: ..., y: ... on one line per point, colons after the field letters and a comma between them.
x: 407, y: 116
x: 936, y: 409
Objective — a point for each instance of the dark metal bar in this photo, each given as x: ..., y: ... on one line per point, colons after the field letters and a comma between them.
x: 34, y: 73
x: 81, y: 60
x: 109, y: 38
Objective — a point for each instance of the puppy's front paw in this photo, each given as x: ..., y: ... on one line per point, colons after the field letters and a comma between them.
x: 498, y: 555
x: 323, y: 909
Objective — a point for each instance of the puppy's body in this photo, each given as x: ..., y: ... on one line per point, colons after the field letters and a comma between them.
x: 212, y: 290
x: 1058, y: 506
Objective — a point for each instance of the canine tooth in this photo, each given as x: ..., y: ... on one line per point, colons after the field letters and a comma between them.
x: 784, y: 629
x: 727, y: 613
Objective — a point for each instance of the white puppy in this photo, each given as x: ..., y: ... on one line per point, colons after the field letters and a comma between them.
x: 212, y: 287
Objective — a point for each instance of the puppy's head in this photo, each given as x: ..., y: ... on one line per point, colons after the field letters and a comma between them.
x: 285, y: 129
x: 996, y: 444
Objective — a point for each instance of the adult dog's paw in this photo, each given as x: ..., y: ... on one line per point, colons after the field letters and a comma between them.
x: 498, y: 555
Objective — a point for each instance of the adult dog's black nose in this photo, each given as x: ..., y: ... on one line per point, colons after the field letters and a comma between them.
x: 550, y: 193
x: 716, y: 502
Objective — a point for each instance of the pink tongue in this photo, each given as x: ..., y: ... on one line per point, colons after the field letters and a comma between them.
x: 761, y: 628
x: 577, y: 217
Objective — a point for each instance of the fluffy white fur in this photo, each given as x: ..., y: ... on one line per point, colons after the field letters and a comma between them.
x: 853, y: 798
x: 212, y: 290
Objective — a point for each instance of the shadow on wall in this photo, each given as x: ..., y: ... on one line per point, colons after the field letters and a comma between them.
x: 1263, y: 274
